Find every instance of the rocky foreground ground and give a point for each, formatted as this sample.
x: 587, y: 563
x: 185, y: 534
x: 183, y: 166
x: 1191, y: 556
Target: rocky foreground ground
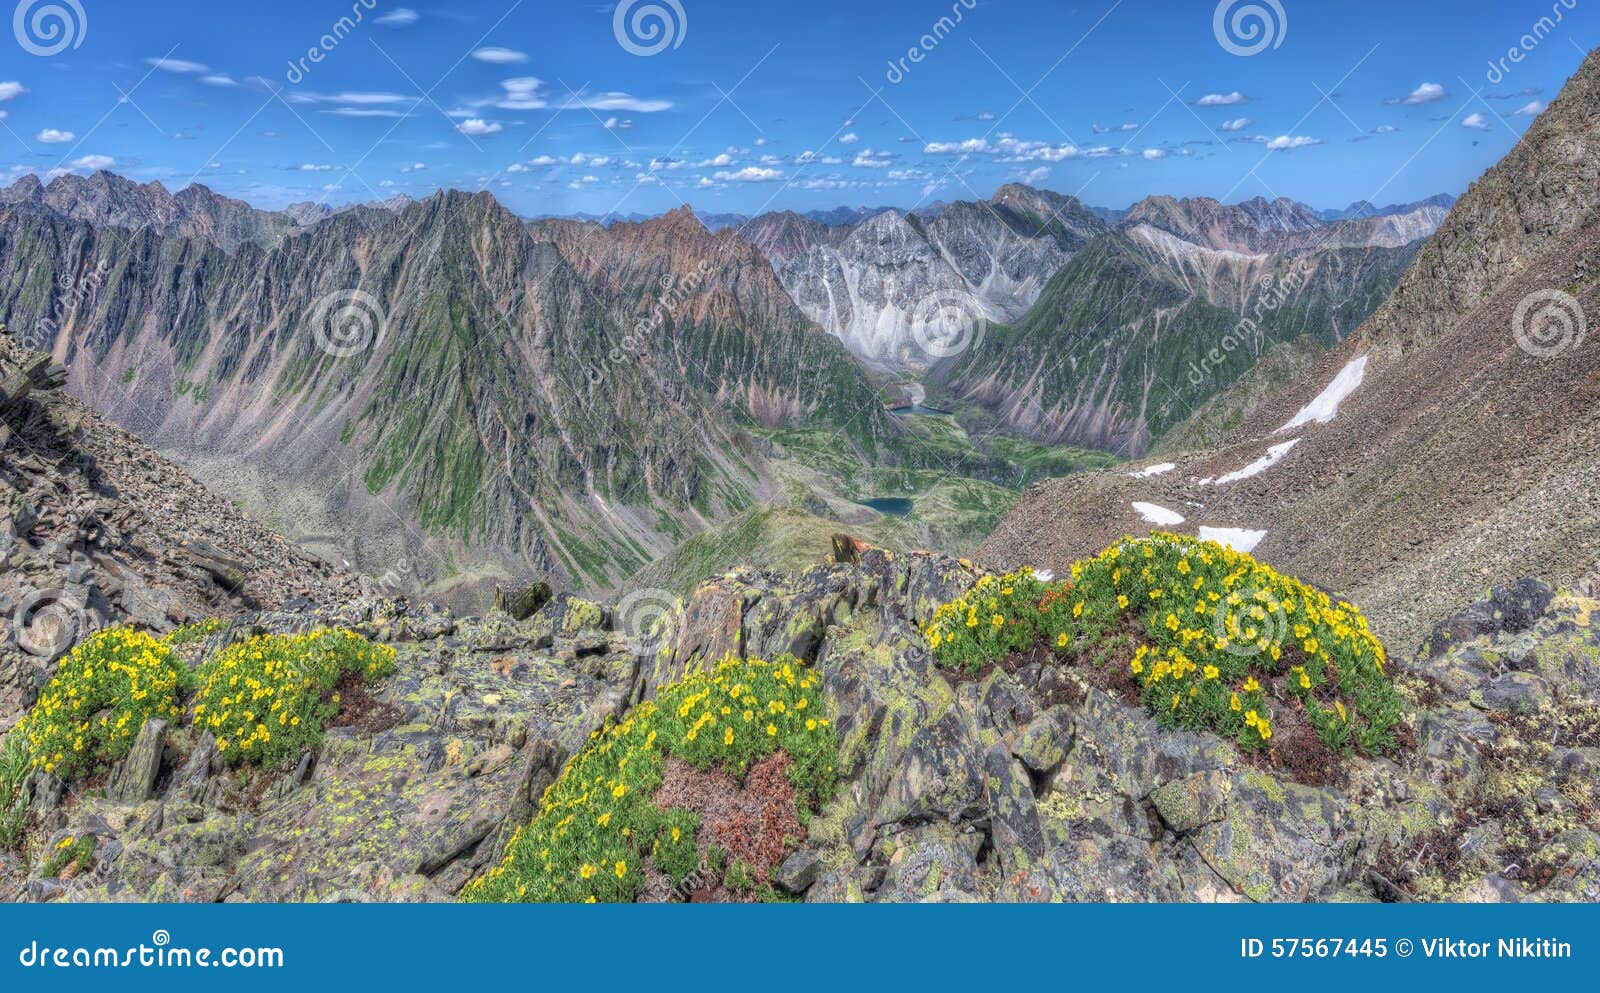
x: 1024, y: 783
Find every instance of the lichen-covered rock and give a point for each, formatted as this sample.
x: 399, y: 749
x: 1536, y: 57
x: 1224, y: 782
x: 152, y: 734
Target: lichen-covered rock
x: 134, y: 778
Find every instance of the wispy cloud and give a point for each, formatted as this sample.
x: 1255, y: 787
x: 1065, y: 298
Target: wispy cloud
x: 11, y: 90
x: 500, y: 56
x: 400, y: 17
x: 1532, y: 108
x: 1237, y: 124
x: 1233, y: 99
x: 179, y: 66
x: 51, y: 136
x: 1426, y: 93
x: 1285, y: 142
x: 751, y: 174
x: 1476, y: 122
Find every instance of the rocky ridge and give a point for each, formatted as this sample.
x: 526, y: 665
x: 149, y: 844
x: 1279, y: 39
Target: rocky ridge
x: 1026, y: 783
x: 95, y: 529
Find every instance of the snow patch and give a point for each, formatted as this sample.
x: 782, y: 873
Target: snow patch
x: 1326, y: 406
x: 1044, y: 575
x: 1265, y: 462
x: 1154, y: 470
x: 1237, y: 539
x: 1157, y: 514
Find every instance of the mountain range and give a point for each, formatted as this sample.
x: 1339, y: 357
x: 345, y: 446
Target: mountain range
x: 599, y: 392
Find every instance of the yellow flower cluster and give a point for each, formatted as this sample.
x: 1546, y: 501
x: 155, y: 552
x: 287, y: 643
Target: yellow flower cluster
x: 266, y: 699
x: 996, y: 617
x: 1211, y: 626
x: 598, y: 828
x: 102, y: 693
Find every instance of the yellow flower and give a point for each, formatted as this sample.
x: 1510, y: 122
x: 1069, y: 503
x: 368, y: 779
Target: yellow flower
x: 1061, y: 640
x: 1212, y: 672
x: 622, y: 869
x: 772, y: 730
x: 727, y: 736
x: 588, y: 871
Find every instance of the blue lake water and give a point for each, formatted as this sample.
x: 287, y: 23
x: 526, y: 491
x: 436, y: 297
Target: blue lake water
x: 892, y: 506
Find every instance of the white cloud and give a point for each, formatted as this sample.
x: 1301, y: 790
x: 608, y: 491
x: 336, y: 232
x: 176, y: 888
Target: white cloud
x: 850, y: 139
x: 50, y: 136
x: 751, y: 174
x: 477, y: 127
x: 500, y: 56
x: 617, y: 124
x: 218, y: 79
x: 94, y: 162
x: 1154, y: 154
x: 1013, y: 149
x: 1476, y: 122
x: 400, y: 17
x: 868, y: 159
x: 11, y: 90
x: 1237, y: 124
x: 1288, y: 143
x: 363, y: 112
x: 1116, y: 127
x: 414, y: 167
x: 1426, y: 93
x: 1222, y: 99
x: 363, y: 98
x: 522, y: 93
x: 1531, y: 109
x: 614, y: 100
x: 1385, y: 129
x: 315, y: 167
x: 180, y: 66
x: 1037, y: 176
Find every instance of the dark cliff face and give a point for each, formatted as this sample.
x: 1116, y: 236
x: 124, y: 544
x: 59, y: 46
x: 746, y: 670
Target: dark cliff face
x: 445, y: 383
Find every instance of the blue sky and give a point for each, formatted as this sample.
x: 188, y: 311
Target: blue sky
x: 758, y: 106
